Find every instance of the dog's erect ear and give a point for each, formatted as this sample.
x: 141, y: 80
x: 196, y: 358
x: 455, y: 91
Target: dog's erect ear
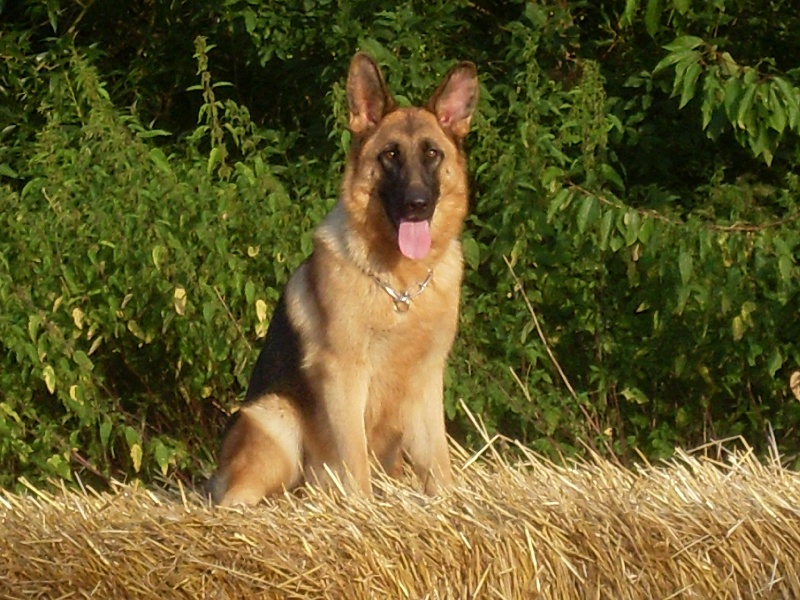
x: 455, y: 100
x: 368, y: 98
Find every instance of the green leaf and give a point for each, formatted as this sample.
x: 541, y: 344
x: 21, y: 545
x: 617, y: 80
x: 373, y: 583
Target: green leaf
x: 214, y: 158
x: 160, y: 160
x: 636, y: 395
x: 631, y: 8
x: 685, y: 265
x: 559, y: 201
x: 684, y: 292
x: 790, y: 96
x: 516, y: 251
x: 209, y: 310
x: 105, y: 432
x: 682, y: 6
x: 646, y: 229
x: 610, y: 175
x: 249, y: 20
x: 83, y: 361
x: 34, y: 321
x: 738, y: 327
x: 552, y: 417
x: 163, y: 456
x: 526, y: 330
x: 782, y: 248
x: 684, y: 42
x: 774, y: 362
x: 158, y: 253
x: 344, y: 139
x: 52, y: 16
x: 152, y: 133
x: 761, y: 142
x: 652, y: 16
x: 10, y: 412
x: 7, y: 171
x: 60, y: 466
x: 673, y: 58
x: 249, y: 292
x: 712, y: 96
x: 732, y: 89
x: 588, y: 213
x: 777, y: 117
x: 551, y: 176
x: 472, y: 253
x: 785, y: 268
x: 744, y: 119
x: 631, y: 222
x: 131, y: 435
x: 606, y: 223
x: 689, y: 83
x: 615, y: 243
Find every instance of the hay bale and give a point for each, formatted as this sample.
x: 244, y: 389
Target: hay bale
x: 694, y: 528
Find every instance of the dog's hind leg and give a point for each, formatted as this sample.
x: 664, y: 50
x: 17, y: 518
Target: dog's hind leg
x: 262, y: 453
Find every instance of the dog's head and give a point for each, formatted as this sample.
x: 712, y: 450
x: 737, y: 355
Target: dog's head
x: 406, y: 174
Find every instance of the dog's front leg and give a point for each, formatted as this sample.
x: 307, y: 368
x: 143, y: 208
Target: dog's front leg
x: 425, y: 437
x: 344, y: 394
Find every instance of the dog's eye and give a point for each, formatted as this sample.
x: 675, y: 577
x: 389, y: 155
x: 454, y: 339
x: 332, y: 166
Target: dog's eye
x: 389, y: 158
x: 432, y: 153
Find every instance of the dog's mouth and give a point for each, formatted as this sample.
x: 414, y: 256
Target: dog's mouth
x: 409, y: 208
x: 414, y: 238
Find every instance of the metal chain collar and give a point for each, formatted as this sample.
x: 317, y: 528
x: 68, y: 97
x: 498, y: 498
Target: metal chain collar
x: 402, y: 301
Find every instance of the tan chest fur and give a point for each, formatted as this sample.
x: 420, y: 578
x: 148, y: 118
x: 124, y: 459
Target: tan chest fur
x: 393, y: 354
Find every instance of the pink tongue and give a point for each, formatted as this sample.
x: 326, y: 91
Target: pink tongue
x: 414, y: 238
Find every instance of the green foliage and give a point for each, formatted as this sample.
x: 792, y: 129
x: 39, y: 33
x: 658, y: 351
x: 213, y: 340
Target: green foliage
x: 632, y: 277
x: 759, y: 107
x: 129, y: 280
x: 671, y: 322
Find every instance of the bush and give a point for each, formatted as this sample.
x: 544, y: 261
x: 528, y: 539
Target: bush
x: 135, y: 285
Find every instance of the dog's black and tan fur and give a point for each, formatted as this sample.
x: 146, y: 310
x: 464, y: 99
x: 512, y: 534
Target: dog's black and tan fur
x: 347, y: 371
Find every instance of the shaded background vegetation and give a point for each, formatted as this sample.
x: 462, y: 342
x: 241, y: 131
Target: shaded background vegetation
x: 163, y: 164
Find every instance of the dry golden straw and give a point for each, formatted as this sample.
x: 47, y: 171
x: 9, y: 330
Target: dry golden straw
x: 697, y: 527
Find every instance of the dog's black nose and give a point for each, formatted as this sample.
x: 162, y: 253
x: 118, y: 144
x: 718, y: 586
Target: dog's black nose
x: 417, y: 201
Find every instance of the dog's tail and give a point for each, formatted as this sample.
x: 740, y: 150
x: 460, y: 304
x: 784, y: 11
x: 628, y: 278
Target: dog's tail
x: 262, y: 453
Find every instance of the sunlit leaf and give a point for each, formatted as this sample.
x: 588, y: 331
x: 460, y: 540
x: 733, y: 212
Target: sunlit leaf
x: 136, y: 457
x: 179, y: 300
x: 739, y: 327
x: 635, y: 395
x: 49, y: 376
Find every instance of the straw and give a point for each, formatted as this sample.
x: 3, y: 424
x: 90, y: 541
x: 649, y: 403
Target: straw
x: 699, y: 526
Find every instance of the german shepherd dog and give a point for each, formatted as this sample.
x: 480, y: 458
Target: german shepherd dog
x: 353, y: 362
